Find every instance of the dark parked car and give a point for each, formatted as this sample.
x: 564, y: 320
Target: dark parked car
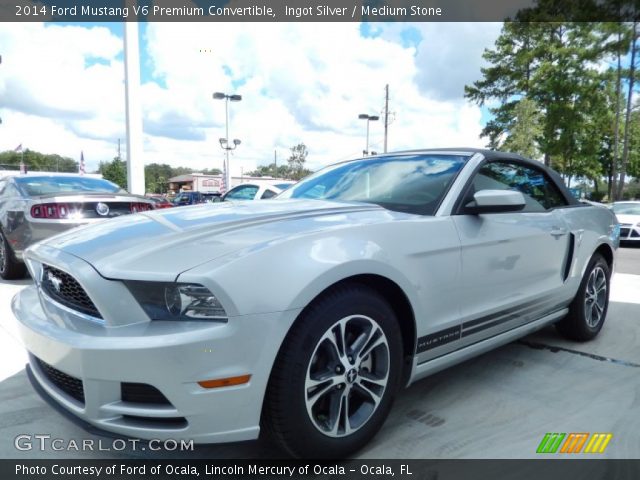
x: 212, y: 197
x: 160, y: 201
x: 189, y: 198
x: 36, y: 206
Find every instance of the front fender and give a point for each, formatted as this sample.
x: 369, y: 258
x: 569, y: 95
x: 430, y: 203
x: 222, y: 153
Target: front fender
x: 289, y: 275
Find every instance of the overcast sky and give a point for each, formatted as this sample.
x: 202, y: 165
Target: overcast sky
x: 62, y: 88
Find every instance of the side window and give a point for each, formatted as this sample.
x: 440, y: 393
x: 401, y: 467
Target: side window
x: 268, y: 194
x: 539, y: 191
x: 246, y: 192
x: 181, y: 199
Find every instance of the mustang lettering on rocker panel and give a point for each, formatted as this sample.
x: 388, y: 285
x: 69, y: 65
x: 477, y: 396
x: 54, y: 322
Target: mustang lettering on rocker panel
x: 528, y: 311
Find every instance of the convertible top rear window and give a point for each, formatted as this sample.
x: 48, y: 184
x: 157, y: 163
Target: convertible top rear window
x: 46, y: 185
x: 407, y: 183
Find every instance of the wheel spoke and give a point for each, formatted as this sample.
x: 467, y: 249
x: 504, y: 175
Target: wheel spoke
x: 369, y: 392
x: 335, y: 413
x: 588, y: 311
x: 339, y: 338
x: 377, y: 339
x: 598, y: 308
x: 316, y: 389
x: 346, y: 415
x: 359, y: 343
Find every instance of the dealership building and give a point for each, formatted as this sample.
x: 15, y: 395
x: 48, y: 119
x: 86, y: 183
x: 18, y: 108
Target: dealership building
x: 199, y: 182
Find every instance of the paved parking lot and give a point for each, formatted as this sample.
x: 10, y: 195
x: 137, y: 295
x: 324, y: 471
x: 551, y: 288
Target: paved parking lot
x: 498, y: 405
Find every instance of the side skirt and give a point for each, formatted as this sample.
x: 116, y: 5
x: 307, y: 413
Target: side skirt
x: 440, y: 363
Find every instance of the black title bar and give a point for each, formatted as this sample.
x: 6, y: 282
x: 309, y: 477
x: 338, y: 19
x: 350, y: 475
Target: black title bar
x: 317, y: 10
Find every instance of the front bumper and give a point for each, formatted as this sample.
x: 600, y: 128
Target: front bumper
x: 169, y: 356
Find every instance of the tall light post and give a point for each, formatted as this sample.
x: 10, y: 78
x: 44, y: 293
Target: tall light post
x: 224, y: 142
x: 368, y: 118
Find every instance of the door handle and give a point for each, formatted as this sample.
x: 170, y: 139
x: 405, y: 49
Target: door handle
x: 558, y: 232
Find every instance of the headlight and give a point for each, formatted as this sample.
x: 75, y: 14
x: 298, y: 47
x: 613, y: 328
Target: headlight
x: 177, y: 301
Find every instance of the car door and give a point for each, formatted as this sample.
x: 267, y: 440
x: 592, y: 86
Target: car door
x: 513, y: 264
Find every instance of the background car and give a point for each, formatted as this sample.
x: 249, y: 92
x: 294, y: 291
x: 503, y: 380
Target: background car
x: 628, y: 214
x: 36, y: 206
x: 389, y: 268
x: 189, y: 198
x: 159, y: 201
x: 212, y: 197
x: 253, y: 191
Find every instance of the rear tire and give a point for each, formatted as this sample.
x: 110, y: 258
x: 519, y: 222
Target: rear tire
x: 588, y: 310
x: 336, y: 375
x: 10, y: 267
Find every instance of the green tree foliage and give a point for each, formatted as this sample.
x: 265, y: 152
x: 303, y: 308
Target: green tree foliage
x: 270, y: 171
x: 297, y: 161
x: 156, y: 176
x: 37, y: 162
x: 114, y: 171
x: 294, y: 169
x: 524, y: 129
x: 558, y: 66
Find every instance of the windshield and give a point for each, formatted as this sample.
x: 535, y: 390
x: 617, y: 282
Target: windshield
x: 407, y: 183
x: 34, y: 186
x: 627, y: 208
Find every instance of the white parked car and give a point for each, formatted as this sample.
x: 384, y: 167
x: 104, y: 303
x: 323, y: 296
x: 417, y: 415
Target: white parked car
x: 172, y: 324
x: 255, y: 191
x: 628, y: 214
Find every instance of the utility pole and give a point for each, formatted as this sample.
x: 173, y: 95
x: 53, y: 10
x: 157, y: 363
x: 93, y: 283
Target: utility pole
x: 386, y: 115
x: 275, y: 163
x: 133, y: 109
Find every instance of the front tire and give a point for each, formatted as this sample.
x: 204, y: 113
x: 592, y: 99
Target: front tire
x: 10, y: 267
x: 588, y: 309
x: 336, y: 375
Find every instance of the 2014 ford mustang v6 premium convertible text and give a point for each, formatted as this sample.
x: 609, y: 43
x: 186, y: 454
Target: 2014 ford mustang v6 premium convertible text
x: 304, y: 315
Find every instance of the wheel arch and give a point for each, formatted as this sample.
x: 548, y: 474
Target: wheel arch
x: 398, y: 301
x: 606, y: 251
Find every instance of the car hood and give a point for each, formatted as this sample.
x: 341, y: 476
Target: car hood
x: 165, y: 243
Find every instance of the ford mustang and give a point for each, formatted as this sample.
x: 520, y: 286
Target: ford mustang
x: 304, y: 315
x: 39, y: 205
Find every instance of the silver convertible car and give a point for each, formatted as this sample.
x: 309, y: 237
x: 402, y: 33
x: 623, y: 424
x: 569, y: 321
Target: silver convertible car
x: 304, y: 315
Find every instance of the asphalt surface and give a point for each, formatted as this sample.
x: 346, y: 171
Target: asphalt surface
x: 498, y: 405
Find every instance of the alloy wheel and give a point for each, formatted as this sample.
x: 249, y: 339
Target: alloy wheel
x: 347, y: 376
x: 595, y: 298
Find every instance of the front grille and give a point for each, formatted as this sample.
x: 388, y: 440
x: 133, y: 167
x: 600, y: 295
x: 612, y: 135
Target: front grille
x: 70, y: 385
x: 142, y: 393
x: 65, y: 289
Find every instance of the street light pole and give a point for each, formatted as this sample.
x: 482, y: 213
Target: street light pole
x: 227, y: 169
x: 224, y: 142
x: 368, y: 118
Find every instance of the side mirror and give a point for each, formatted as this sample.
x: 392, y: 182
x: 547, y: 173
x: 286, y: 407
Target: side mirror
x: 495, y: 201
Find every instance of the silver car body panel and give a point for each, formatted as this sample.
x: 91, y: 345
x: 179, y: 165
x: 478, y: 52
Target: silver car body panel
x: 473, y: 282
